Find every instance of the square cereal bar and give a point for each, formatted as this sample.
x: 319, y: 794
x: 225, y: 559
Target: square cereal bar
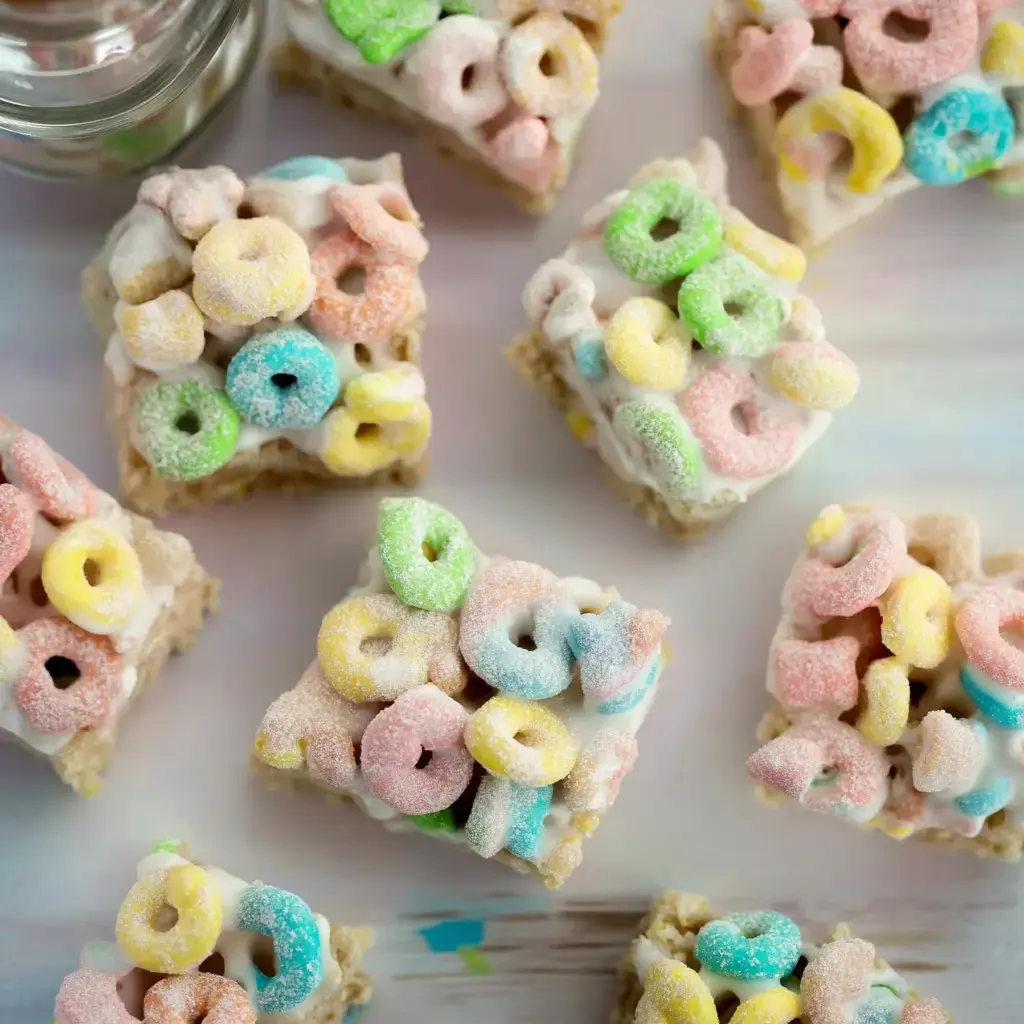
x: 93, y: 601
x: 671, y: 334
x: 264, y: 335
x: 500, y: 86
x: 692, y: 964
x: 483, y: 700
x: 195, y: 943
x: 898, y: 691
x: 851, y: 103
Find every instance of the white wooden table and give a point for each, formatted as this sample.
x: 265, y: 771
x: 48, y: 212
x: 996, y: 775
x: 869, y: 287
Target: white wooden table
x: 928, y: 299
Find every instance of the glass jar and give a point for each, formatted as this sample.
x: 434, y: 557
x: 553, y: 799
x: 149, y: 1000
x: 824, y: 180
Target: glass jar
x: 105, y: 87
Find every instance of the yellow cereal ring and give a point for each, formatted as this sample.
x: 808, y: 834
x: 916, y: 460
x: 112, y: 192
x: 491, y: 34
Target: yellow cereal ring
x: 887, y: 708
x: 391, y: 393
x: 248, y: 270
x: 1004, y: 51
x: 829, y: 522
x: 289, y: 760
x: 675, y: 994
x: 166, y: 331
x: 917, y: 619
x: 191, y: 892
x: 876, y: 141
x: 521, y: 740
x: 93, y: 576
x: 772, y: 254
x: 648, y: 345
x: 358, y: 442
x: 11, y: 653
x: 776, y: 1006
x: 815, y: 376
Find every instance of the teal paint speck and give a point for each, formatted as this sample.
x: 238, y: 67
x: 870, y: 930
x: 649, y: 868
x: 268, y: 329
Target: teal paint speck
x: 451, y: 936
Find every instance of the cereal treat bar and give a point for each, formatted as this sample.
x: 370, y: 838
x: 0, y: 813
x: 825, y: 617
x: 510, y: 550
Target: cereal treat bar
x: 264, y: 335
x: 898, y: 681
x: 854, y: 102
x: 481, y: 700
x: 93, y: 601
x: 673, y: 338
x: 691, y: 966
x: 501, y: 86
x: 197, y: 944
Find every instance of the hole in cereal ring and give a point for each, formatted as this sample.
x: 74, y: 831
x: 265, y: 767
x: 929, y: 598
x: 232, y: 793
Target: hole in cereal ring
x: 367, y: 431
x: 918, y: 688
x: 429, y: 553
x: 352, y: 281
x: 1013, y: 634
x: 253, y: 252
x: 263, y: 955
x: 550, y: 64
x: 213, y: 964
x: 734, y: 309
x: 526, y: 643
x: 166, y: 919
x: 525, y: 738
x: 38, y: 593
x: 426, y: 756
x: 726, y: 1005
x: 468, y: 74
x: 376, y: 646
x: 92, y: 571
x: 283, y: 380
x: 188, y: 422
x: 63, y: 671
x: 843, y: 163
x: 740, y: 419
x: 904, y: 28
x: 363, y: 355
x: 826, y: 776
x: 665, y: 228
x: 132, y: 988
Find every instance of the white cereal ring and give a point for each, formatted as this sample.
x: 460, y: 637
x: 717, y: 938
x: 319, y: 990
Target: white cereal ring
x: 166, y: 331
x: 194, y: 200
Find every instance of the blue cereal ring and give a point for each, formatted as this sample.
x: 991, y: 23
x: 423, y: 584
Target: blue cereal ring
x: 932, y: 152
x: 878, y: 1006
x: 285, y: 380
x: 1007, y: 716
x: 985, y: 800
x: 628, y: 700
x: 528, y: 807
x: 752, y: 946
x: 297, y: 947
x: 300, y: 167
x: 508, y: 816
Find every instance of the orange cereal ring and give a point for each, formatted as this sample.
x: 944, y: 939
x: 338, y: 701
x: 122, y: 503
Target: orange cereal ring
x: 17, y: 523
x: 364, y: 318
x: 184, y: 998
x: 60, y: 492
x: 51, y: 707
x: 383, y: 217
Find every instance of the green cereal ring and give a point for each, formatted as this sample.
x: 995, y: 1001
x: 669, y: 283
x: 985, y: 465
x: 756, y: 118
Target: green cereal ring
x: 382, y: 28
x: 731, y: 309
x: 185, y: 429
x: 697, y: 239
x: 427, y: 554
x: 438, y: 821
x: 669, y: 448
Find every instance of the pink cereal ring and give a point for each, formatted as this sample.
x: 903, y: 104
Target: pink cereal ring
x: 822, y: 8
x: 772, y: 432
x: 364, y: 318
x: 768, y: 61
x: 383, y: 217
x: 593, y: 784
x: 840, y: 973
x: 888, y: 64
x: 819, y: 676
x: 524, y: 152
x: 980, y: 620
x: 17, y: 522
x: 455, y: 72
x: 88, y: 700
x: 91, y: 997
x: 801, y: 763
x: 421, y: 719
x: 60, y: 491
x: 185, y: 998
x: 923, y: 1011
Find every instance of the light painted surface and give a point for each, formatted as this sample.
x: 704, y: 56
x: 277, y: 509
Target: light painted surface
x: 928, y: 299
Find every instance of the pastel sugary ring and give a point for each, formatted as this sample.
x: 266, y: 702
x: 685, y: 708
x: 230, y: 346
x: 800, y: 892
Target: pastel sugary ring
x: 383, y: 217
x: 674, y: 994
x: 60, y: 492
x: 507, y: 816
x: 666, y: 445
x: 815, y: 675
x: 750, y: 946
x: 17, y: 525
x: 839, y: 973
x: 184, y: 998
x: 91, y: 997
x: 981, y: 619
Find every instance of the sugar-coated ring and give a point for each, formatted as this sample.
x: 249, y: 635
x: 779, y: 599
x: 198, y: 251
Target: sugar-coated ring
x: 521, y: 740
x: 980, y: 691
x: 194, y: 200
x: 772, y: 254
x: 524, y: 150
x: 635, y: 694
x: 569, y: 89
x: 768, y: 61
x: 593, y: 784
x: 1003, y: 53
x: 17, y: 526
x: 768, y: 439
x: 248, y: 270
x: 422, y: 647
x: 917, y: 619
x: 630, y: 245
x: 920, y: 1010
x: 394, y: 393
x: 730, y: 282
x: 507, y: 816
x: 189, y: 890
x: 426, y: 553
x: 381, y: 30
x: 60, y: 492
x: 775, y: 1006
x: 590, y: 357
x: 951, y: 752
x: 648, y: 345
x: 819, y: 675
x: 666, y: 444
x: 816, y: 376
x: 839, y: 973
x: 422, y: 719
x: 886, y: 64
x: 185, y: 429
x: 12, y: 654
x: 886, y: 702
x: 297, y: 946
x: 438, y: 70
x: 184, y: 998
x: 91, y: 547
x: 993, y: 796
x: 674, y: 994
x: 350, y: 449
x: 559, y: 298
x: 510, y: 601
x: 370, y: 316
x: 88, y: 700
x: 383, y: 217
x: 825, y: 765
x: 870, y: 129
x: 284, y: 379
x: 91, y: 997
x: 298, y: 168
x: 981, y: 618
x: 937, y: 151
x: 750, y: 946
x: 166, y: 331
